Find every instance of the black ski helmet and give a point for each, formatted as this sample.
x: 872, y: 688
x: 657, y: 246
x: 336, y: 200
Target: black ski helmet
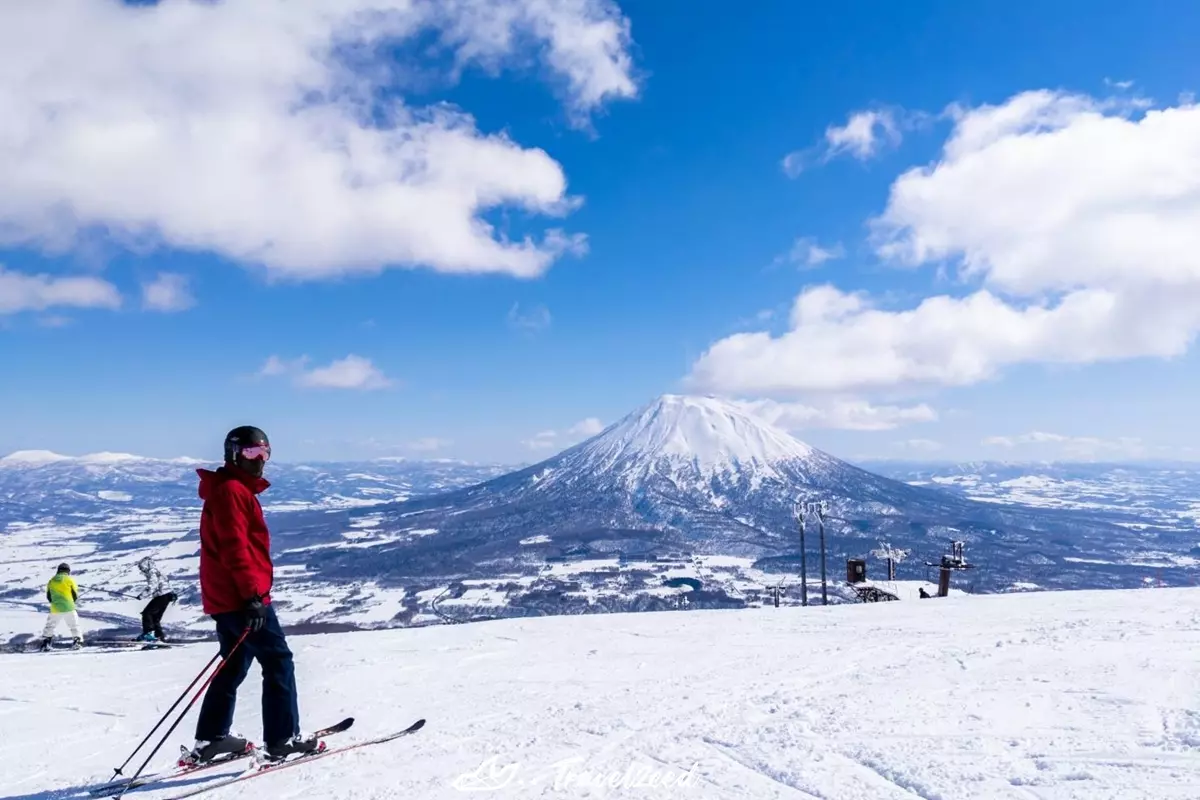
x: 64, y: 567
x: 245, y: 436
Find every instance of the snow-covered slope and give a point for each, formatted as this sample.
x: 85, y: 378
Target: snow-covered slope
x: 1053, y: 696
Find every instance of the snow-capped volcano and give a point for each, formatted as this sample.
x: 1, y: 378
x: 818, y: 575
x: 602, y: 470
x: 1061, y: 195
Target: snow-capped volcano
x: 687, y: 475
x: 708, y: 436
x: 702, y: 450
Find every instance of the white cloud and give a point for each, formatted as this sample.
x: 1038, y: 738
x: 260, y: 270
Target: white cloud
x: 23, y: 292
x: 277, y: 133
x: 586, y: 427
x: 275, y: 366
x: 919, y: 445
x: 806, y: 252
x: 1081, y: 220
x: 542, y: 441
x: 536, y: 319
x: 351, y: 372
x: 167, y: 292
x: 558, y: 440
x: 864, y: 136
x: 840, y: 413
x: 429, y: 444
x: 794, y: 163
x: 1072, y: 446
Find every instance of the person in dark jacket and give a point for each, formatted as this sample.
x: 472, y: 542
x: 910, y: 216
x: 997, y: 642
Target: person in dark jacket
x: 160, y: 598
x: 236, y: 576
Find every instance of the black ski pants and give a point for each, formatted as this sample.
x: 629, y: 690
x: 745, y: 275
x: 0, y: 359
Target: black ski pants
x: 268, y: 646
x: 152, y: 615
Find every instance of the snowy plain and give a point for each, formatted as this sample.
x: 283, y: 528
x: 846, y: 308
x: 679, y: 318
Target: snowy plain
x: 1081, y: 695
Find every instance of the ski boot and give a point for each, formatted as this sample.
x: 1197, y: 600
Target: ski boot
x: 77, y: 644
x: 45, y: 645
x: 228, y: 746
x: 298, y: 745
x: 146, y: 637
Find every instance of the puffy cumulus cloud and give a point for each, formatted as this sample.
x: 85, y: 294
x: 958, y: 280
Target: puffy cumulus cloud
x: 865, y: 135
x: 586, y: 427
x: 843, y: 413
x: 351, y: 372
x: 167, y: 292
x: 20, y: 291
x: 1079, y: 220
x: 276, y: 133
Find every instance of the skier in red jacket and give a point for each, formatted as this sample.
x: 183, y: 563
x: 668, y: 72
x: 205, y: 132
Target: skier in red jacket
x: 236, y: 577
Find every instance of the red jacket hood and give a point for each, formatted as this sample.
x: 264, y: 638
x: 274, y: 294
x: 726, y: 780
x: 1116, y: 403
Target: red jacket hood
x: 210, y: 478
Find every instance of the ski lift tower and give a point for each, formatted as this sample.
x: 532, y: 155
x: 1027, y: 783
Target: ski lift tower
x: 952, y: 561
x: 798, y: 510
x: 807, y: 509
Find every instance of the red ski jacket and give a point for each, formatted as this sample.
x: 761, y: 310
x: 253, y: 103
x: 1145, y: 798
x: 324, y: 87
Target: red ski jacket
x: 235, y: 545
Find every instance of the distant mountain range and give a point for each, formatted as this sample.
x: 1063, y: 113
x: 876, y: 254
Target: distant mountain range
x: 39, y: 483
x: 688, y: 501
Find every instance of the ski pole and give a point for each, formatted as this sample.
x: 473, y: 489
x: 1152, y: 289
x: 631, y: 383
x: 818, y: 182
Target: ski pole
x: 183, y: 714
x: 109, y: 591
x: 163, y: 718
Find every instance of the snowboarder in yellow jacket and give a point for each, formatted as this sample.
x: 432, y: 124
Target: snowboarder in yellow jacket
x: 62, y: 593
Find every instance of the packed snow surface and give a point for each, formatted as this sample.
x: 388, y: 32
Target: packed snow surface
x: 1050, y: 696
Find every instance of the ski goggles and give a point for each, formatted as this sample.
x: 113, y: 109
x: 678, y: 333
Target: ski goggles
x: 256, y: 451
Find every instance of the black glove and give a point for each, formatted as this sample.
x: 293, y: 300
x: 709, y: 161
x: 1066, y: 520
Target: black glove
x: 255, y: 612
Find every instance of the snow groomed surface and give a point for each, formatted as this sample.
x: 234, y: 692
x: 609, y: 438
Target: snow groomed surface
x: 1054, y: 696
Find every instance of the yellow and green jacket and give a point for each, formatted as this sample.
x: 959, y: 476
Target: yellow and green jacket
x: 62, y: 593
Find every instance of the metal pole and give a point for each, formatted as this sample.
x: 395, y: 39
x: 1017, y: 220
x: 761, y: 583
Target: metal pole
x: 803, y: 560
x: 821, y: 518
x: 117, y: 771
x: 187, y: 708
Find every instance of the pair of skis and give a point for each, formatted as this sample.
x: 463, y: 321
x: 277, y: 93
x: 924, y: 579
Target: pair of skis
x: 254, y: 770
x: 95, y: 646
x: 187, y: 768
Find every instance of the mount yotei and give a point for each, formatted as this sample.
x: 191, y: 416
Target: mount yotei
x: 697, y: 492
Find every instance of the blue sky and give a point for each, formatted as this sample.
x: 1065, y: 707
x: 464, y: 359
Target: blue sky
x: 317, y: 219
